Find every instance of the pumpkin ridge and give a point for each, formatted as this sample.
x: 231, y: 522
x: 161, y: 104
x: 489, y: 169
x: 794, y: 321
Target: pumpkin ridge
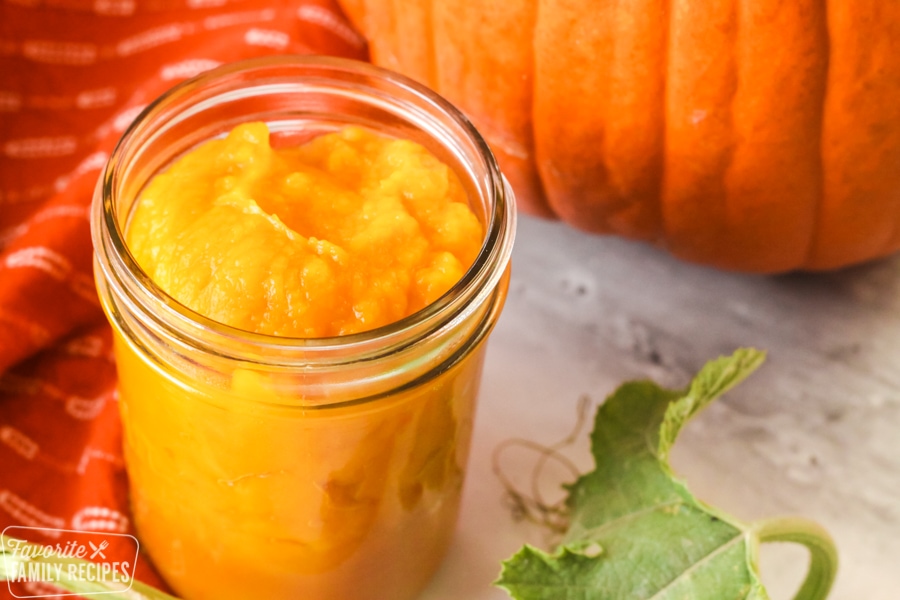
x: 773, y: 183
x: 861, y: 139
x: 640, y: 54
x: 818, y: 208
x: 659, y: 235
x: 703, y: 83
x: 494, y: 89
x: 597, y: 151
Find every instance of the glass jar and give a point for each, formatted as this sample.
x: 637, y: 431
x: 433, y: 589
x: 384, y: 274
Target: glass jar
x: 272, y: 467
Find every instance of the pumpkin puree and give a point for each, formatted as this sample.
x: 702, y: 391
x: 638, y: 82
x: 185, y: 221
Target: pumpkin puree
x: 346, y: 233
x: 241, y: 486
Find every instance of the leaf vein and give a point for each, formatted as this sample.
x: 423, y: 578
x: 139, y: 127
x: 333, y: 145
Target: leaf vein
x: 697, y: 565
x: 594, y: 531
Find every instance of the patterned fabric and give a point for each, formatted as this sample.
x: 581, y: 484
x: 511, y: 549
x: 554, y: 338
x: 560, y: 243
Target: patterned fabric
x: 73, y: 74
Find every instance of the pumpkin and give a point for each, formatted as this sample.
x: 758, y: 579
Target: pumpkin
x: 756, y: 135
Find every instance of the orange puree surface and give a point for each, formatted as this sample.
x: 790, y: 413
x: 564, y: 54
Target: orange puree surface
x: 349, y: 232
x: 250, y: 481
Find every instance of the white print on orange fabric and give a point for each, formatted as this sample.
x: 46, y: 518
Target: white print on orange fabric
x: 37, y: 334
x: 100, y: 518
x: 119, y: 122
x: 12, y: 233
x: 88, y: 346
x: 325, y: 18
x: 47, y: 214
x: 187, y: 68
x: 205, y: 3
x: 63, y: 210
x: 42, y: 258
x: 90, y: 454
x: 60, y: 53
x: 238, y: 18
x: 41, y: 147
x: 93, y: 162
x: 20, y: 443
x: 56, y: 266
x: 86, y: 100
x: 267, y: 38
x: 32, y: 194
x: 98, y: 98
x: 153, y: 38
x: 114, y: 8
x: 27, y: 513
x: 124, y: 118
x: 85, y: 409
x: 10, y: 101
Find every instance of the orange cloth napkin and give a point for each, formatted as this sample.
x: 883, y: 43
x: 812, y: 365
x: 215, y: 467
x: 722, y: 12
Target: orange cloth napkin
x: 73, y: 74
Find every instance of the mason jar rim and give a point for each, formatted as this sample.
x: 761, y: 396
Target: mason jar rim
x: 143, y: 296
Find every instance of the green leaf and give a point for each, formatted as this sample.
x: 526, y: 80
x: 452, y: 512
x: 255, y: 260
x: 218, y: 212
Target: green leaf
x: 716, y: 378
x: 636, y: 532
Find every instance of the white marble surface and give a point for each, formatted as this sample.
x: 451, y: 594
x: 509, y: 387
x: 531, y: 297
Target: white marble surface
x: 815, y: 432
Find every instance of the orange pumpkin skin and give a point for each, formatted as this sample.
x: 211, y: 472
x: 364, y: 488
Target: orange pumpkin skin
x: 753, y: 135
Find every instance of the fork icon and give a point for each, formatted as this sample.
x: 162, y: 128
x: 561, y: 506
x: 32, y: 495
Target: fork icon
x: 98, y: 549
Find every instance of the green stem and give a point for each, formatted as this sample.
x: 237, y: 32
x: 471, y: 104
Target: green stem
x: 823, y: 555
x: 9, y: 564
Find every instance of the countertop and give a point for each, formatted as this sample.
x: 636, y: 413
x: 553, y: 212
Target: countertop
x: 815, y: 432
